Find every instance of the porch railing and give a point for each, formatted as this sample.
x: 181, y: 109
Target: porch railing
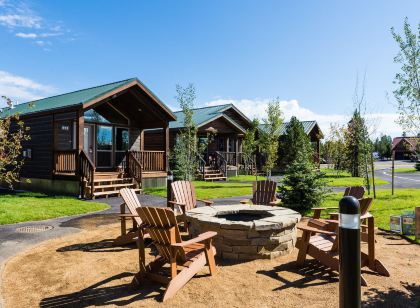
x: 134, y: 167
x: 232, y: 158
x: 150, y: 160
x: 86, y: 173
x: 221, y: 163
x: 65, y: 162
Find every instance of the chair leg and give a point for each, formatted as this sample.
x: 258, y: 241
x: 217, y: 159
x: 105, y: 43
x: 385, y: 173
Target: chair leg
x: 184, y: 276
x: 303, y: 248
x: 210, y: 252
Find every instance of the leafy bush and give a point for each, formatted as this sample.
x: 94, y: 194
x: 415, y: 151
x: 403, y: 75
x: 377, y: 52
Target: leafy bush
x: 417, y: 166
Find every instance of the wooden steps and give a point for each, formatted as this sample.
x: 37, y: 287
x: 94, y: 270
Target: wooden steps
x: 213, y: 174
x: 107, y: 184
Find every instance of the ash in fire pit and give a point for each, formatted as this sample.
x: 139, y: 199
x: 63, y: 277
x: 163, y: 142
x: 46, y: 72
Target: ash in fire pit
x: 247, y: 232
x: 245, y: 216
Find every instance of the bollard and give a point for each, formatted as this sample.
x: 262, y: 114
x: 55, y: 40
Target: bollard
x: 349, y: 250
x: 169, y: 180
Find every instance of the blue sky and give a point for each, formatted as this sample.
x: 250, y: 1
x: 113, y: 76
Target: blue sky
x: 307, y: 53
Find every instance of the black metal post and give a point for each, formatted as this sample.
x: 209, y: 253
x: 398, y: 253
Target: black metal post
x: 169, y: 180
x: 349, y: 250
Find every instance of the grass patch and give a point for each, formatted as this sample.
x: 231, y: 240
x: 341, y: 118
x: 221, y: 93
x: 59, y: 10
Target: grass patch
x: 29, y: 206
x: 406, y: 170
x: 386, y: 205
x: 343, y: 179
x: 211, y: 190
x: 246, y: 178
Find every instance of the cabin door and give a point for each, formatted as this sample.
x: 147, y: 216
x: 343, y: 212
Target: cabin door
x: 88, y: 144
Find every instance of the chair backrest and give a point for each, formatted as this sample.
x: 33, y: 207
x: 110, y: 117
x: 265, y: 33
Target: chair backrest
x: 131, y: 201
x: 184, y: 192
x: 162, y: 226
x: 365, y: 205
x: 355, y: 191
x: 264, y: 192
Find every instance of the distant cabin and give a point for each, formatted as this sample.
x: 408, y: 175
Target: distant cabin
x: 405, y: 147
x: 90, y: 142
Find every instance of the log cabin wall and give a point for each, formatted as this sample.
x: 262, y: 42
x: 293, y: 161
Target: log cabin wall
x: 40, y: 145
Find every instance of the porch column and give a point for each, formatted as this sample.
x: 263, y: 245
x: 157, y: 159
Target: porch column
x: 166, y: 146
x: 142, y: 140
x: 80, y: 124
x: 237, y: 151
x: 227, y: 144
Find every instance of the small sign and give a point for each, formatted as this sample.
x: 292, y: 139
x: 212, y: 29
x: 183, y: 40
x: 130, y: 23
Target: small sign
x: 408, y: 223
x: 396, y: 224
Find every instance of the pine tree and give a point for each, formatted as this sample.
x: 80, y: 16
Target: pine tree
x: 296, y: 144
x: 302, y: 187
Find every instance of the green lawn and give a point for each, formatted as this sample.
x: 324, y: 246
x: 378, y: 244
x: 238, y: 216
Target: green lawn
x: 245, y: 178
x: 344, y: 179
x: 211, y: 190
x: 385, y: 204
x: 406, y: 170
x: 30, y: 206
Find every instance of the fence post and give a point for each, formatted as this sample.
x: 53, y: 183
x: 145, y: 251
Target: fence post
x: 169, y: 180
x: 349, y: 253
x: 418, y: 222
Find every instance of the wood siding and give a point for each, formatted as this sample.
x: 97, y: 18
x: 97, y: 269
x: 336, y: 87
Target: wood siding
x: 41, y: 144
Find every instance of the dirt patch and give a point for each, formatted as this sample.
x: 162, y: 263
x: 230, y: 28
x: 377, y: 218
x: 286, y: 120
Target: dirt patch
x: 85, y: 270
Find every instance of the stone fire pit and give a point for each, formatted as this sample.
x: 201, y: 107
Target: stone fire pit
x: 247, y: 232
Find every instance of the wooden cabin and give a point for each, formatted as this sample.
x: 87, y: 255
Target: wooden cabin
x: 91, y: 142
x: 405, y: 147
x: 227, y: 126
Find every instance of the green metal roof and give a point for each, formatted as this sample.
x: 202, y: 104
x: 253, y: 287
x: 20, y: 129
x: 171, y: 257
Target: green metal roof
x: 307, y: 127
x: 204, y: 115
x: 72, y: 99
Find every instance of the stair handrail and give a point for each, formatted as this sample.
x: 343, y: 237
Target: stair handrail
x: 134, y: 167
x: 221, y: 163
x: 201, y: 165
x: 86, y: 171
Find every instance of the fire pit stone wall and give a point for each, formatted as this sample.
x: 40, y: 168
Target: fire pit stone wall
x: 247, y: 232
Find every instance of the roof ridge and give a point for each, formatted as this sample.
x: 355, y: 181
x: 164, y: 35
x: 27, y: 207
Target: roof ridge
x: 204, y: 107
x: 102, y: 85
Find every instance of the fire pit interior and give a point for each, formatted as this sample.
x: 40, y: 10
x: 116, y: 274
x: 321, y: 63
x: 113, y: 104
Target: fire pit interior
x: 247, y: 232
x: 244, y: 215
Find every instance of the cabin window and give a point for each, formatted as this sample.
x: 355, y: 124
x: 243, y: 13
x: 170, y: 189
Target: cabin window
x: 64, y: 135
x: 104, y: 145
x: 121, y: 145
x: 27, y: 153
x: 93, y: 116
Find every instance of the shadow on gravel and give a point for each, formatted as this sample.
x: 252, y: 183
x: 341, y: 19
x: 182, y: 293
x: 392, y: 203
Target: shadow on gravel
x: 394, y: 297
x: 90, y: 222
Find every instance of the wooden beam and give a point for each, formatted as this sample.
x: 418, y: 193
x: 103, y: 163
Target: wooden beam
x: 80, y: 124
x: 166, y: 145
x: 142, y: 140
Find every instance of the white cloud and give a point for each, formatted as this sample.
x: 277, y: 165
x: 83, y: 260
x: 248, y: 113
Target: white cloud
x: 20, y: 21
x: 22, y: 89
x: 256, y: 108
x: 17, y: 16
x: 26, y: 35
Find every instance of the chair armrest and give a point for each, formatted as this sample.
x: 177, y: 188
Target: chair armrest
x: 245, y: 201
x: 315, y: 230
x: 200, y: 238
x: 128, y: 215
x: 181, y: 206
x: 207, y: 202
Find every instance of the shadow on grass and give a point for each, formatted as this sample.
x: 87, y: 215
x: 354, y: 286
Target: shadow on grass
x: 410, y: 297
x: 314, y: 274
x: 100, y: 295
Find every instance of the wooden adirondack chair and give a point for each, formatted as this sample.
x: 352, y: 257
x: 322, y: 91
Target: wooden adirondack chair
x: 132, y: 203
x: 320, y: 241
x: 263, y: 193
x: 192, y: 255
x: 185, y: 198
x: 354, y: 191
